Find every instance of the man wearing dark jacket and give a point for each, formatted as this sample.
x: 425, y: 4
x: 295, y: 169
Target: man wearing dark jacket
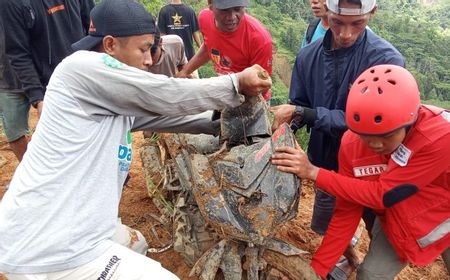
x: 322, y: 76
x: 14, y: 105
x: 38, y: 35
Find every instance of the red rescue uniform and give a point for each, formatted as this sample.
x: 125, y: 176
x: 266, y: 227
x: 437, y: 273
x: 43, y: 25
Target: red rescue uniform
x: 417, y: 227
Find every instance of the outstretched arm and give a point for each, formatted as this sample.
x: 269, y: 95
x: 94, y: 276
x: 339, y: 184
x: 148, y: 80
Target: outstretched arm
x: 194, y: 124
x: 200, y: 58
x: 393, y: 186
x: 99, y: 83
x: 328, y: 121
x: 197, y: 40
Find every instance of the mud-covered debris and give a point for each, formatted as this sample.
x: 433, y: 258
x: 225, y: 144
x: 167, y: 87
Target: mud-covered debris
x: 283, y: 247
x: 231, y: 265
x: 206, y: 267
x: 244, y: 124
x: 251, y: 257
x: 270, y: 196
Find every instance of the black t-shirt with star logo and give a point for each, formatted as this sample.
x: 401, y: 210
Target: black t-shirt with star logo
x: 180, y: 20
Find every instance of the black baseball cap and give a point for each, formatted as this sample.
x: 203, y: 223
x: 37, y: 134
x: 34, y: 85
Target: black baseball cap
x: 226, y: 4
x: 118, y: 18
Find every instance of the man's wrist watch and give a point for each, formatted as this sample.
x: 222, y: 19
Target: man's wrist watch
x: 298, y: 115
x: 297, y: 118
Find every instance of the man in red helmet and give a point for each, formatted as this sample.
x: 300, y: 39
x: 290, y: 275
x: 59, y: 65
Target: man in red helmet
x: 393, y: 160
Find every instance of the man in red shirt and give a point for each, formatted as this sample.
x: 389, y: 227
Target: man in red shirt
x: 393, y: 171
x: 233, y: 40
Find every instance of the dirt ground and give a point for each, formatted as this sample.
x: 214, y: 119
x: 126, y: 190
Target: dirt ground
x: 137, y: 210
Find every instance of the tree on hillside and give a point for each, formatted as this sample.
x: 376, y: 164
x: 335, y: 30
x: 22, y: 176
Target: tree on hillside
x: 423, y: 38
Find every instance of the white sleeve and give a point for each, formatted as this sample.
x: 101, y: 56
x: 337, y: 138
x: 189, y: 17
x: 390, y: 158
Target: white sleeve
x: 104, y: 86
x: 195, y: 124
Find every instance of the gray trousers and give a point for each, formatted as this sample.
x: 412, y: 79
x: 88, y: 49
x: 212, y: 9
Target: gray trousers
x: 322, y: 212
x: 381, y: 261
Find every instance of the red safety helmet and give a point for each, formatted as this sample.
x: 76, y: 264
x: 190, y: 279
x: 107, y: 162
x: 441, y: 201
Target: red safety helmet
x: 382, y: 99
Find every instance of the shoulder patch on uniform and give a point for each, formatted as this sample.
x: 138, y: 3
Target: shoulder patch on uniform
x: 111, y: 61
x: 401, y: 155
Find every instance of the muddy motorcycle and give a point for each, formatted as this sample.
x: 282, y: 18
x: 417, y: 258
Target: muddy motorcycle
x: 225, y: 199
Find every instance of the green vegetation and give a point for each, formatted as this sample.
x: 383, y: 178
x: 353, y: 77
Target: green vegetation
x: 419, y: 29
x: 439, y: 103
x: 422, y: 34
x: 279, y: 92
x: 153, y: 6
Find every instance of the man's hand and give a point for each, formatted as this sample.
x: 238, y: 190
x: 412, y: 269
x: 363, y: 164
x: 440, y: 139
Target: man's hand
x: 282, y: 114
x: 295, y: 161
x: 183, y: 74
x: 351, y: 256
x: 38, y: 105
x: 254, y: 81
